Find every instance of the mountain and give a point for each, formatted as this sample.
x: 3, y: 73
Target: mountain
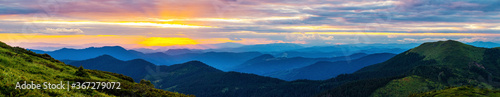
x: 266, y: 63
x: 37, y: 51
x: 484, y: 44
x: 147, y: 50
x: 430, y: 66
x: 200, y: 79
x: 423, y: 69
x: 353, y: 48
x: 227, y: 45
x: 180, y: 51
x: 20, y: 65
x: 220, y: 60
x: 137, y: 68
x: 324, y: 69
x: 91, y: 52
x: 195, y: 77
x: 274, y: 47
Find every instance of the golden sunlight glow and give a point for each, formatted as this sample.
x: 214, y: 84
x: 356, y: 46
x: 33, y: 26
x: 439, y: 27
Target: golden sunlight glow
x: 167, y: 41
x: 152, y: 24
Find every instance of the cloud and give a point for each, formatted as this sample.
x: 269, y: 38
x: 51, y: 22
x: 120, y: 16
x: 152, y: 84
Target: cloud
x: 264, y: 21
x: 421, y: 40
x: 235, y: 39
x: 408, y: 40
x: 462, y: 5
x: 61, y: 31
x: 473, y: 39
x: 302, y: 37
x: 433, y: 39
x: 5, y: 10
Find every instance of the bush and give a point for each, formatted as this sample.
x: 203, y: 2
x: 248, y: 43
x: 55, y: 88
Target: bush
x: 81, y: 72
x: 147, y: 82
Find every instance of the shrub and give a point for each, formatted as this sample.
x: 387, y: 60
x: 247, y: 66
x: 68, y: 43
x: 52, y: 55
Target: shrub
x: 147, y: 82
x: 81, y: 72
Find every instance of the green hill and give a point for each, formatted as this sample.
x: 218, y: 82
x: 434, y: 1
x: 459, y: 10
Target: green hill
x: 430, y: 66
x: 19, y: 65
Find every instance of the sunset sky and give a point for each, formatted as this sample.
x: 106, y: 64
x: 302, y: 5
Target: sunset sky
x: 53, y: 24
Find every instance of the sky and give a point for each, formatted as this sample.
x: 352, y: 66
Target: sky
x: 200, y: 24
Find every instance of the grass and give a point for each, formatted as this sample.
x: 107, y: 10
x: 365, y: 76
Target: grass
x: 406, y: 86
x: 19, y: 65
x: 463, y: 91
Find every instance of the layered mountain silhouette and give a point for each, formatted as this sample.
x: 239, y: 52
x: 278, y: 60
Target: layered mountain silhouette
x: 180, y: 51
x: 200, y: 79
x: 267, y: 63
x: 219, y: 60
x: 484, y: 44
x: 92, y: 52
x: 274, y: 47
x: 136, y: 68
x: 423, y: 69
x: 325, y: 69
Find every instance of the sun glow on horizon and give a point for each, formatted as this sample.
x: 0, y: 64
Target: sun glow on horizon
x: 168, y: 41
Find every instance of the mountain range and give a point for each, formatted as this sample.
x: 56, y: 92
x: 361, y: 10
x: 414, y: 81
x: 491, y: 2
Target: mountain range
x: 484, y: 44
x: 195, y: 77
x: 267, y: 63
x: 200, y: 79
x: 430, y: 68
x: 323, y: 70
x: 220, y: 60
x: 137, y: 68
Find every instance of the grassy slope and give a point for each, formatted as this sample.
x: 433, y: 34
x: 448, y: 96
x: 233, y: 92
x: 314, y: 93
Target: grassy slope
x: 464, y: 91
x: 19, y: 65
x: 406, y: 86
